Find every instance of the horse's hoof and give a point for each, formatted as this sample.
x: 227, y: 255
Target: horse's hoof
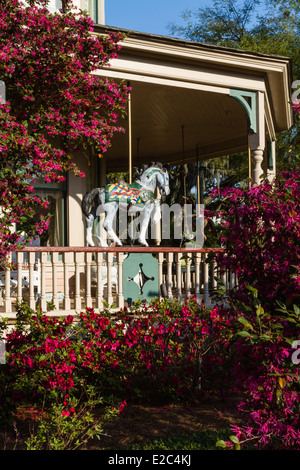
x: 142, y: 244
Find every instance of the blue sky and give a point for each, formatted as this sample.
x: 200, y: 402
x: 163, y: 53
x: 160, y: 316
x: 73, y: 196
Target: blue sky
x: 148, y: 16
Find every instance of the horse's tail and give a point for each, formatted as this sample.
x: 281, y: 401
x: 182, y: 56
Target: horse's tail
x: 88, y: 201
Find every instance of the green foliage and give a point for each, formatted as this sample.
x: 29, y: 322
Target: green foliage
x: 70, y: 429
x: 200, y: 440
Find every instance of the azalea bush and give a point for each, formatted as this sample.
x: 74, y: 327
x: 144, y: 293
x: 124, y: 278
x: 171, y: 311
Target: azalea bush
x: 55, y: 107
x: 265, y: 375
x: 261, y: 233
x: 157, y: 351
x: 64, y: 369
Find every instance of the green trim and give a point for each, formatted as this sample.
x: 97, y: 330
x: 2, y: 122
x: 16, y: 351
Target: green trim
x: 152, y: 173
x: 241, y: 96
x: 271, y: 156
x: 96, y: 11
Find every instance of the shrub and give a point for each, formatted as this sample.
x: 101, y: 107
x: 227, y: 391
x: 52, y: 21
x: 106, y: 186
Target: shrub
x: 62, y: 368
x: 261, y: 233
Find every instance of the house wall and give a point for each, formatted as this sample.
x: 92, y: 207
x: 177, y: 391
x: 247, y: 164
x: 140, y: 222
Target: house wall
x: 95, y: 176
x: 94, y: 7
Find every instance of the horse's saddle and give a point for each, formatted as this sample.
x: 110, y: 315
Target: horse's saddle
x: 131, y: 194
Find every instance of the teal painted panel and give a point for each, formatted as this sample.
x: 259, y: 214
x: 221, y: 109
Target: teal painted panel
x: 140, y: 277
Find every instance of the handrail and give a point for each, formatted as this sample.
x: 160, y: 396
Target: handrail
x: 122, y: 249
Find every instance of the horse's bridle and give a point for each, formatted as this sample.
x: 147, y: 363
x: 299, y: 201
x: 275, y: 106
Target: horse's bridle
x: 163, y: 172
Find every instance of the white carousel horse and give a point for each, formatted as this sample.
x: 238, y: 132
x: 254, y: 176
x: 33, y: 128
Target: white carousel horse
x: 138, y: 196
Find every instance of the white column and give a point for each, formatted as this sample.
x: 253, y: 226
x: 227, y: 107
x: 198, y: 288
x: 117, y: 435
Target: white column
x: 76, y: 191
x: 101, y: 232
x: 101, y: 12
x: 257, y: 140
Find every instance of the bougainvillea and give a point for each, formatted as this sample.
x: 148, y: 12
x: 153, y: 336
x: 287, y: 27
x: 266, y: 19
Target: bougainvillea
x: 55, y: 105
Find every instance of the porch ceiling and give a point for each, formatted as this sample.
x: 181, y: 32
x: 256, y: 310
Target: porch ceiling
x: 171, y: 124
x: 180, y: 98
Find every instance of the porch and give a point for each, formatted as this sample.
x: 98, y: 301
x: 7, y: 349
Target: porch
x: 72, y: 278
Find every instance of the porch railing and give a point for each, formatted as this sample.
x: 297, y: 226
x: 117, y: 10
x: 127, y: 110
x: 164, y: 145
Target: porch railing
x: 72, y: 278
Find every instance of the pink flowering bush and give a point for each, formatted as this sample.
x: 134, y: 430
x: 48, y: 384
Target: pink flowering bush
x: 62, y: 368
x: 296, y: 106
x: 55, y: 105
x: 265, y: 375
x: 261, y: 232
x: 156, y: 353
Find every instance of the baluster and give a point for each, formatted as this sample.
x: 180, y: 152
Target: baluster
x: 120, y: 258
x: 213, y: 275
x: 160, y: 272
x: 109, y: 273
x: 77, y: 281
x: 169, y: 275
x: 224, y: 279
x: 54, y: 260
x: 20, y: 257
x: 179, y: 276
x: 43, y: 281
x: 99, y: 260
x: 66, y: 265
x: 188, y: 276
x: 7, y: 298
x: 205, y: 279
x: 88, y: 299
x: 197, y: 277
x: 31, y: 256
x: 232, y: 280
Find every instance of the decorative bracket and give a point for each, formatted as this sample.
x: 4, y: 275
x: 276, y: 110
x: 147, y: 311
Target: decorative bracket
x: 248, y: 100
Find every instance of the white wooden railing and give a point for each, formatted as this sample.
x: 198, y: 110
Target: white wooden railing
x: 72, y: 278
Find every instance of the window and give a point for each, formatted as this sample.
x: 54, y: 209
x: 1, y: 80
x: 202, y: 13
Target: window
x: 55, y: 194
x: 54, y: 5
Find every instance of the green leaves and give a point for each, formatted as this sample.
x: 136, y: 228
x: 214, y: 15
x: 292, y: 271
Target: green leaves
x: 235, y: 443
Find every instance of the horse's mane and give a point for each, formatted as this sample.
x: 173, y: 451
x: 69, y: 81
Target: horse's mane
x: 140, y: 170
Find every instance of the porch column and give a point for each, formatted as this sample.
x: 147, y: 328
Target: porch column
x: 254, y: 105
x: 76, y: 190
x: 257, y: 140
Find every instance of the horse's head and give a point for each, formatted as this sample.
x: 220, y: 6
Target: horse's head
x: 155, y: 175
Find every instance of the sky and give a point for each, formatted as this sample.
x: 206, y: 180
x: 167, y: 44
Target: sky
x: 148, y: 16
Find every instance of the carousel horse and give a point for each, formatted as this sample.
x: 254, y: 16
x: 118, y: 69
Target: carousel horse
x: 138, y: 196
